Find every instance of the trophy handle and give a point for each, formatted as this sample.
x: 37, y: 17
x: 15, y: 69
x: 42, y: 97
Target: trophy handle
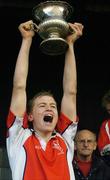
x: 34, y: 27
x: 70, y: 30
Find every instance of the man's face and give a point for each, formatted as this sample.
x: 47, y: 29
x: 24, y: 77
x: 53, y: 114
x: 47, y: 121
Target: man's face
x: 44, y: 115
x: 85, y: 144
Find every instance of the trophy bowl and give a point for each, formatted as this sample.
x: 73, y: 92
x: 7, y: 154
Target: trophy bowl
x: 52, y: 27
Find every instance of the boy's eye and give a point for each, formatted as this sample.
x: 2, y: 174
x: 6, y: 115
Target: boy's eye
x: 42, y: 105
x: 53, y: 106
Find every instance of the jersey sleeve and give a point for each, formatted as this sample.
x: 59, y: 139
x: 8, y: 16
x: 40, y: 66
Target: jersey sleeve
x: 12, y: 118
x: 63, y: 123
x: 16, y: 127
x: 67, y: 129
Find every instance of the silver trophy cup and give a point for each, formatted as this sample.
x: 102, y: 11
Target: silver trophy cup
x: 51, y: 17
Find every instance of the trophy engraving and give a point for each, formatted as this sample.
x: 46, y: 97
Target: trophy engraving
x: 52, y: 26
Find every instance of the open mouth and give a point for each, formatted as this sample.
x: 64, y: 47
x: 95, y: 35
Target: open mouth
x: 48, y: 118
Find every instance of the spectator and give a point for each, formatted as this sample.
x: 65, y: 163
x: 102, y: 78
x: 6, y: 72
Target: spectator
x: 104, y: 132
x: 87, y: 164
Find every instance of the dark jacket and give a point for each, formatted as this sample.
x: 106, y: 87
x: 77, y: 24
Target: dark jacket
x: 106, y: 158
x: 99, y: 170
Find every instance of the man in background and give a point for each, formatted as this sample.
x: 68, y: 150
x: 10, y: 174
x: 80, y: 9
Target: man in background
x: 104, y: 132
x: 86, y: 164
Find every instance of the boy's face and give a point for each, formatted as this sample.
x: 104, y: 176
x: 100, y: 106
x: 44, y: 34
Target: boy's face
x: 44, y: 115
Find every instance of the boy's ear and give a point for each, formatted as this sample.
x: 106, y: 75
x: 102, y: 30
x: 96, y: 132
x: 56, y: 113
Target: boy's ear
x: 95, y: 145
x: 30, y: 117
x: 75, y: 146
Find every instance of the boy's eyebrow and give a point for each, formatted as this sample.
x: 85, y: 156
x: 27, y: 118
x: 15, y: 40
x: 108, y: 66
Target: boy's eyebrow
x: 53, y: 103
